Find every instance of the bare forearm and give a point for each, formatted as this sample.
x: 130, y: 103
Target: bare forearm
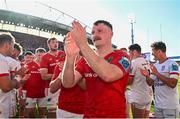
x: 99, y: 64
x: 171, y: 83
x: 11, y: 85
x: 68, y: 72
x: 47, y: 76
x: 55, y: 85
x: 15, y: 84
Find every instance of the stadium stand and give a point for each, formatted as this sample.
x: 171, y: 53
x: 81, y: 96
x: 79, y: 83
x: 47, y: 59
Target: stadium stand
x: 30, y: 41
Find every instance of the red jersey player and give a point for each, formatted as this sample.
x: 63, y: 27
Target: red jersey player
x: 47, y: 64
x: 105, y: 72
x: 35, y: 87
x: 71, y: 100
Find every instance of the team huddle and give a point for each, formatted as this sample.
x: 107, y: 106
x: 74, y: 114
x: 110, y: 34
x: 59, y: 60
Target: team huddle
x: 81, y: 82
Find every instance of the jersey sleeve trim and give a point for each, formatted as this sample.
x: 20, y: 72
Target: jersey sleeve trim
x: 5, y: 74
x: 130, y: 75
x: 174, y: 73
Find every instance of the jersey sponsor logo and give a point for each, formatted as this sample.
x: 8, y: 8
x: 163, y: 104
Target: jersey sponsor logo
x: 53, y: 64
x: 158, y: 84
x: 35, y: 72
x: 174, y: 67
x: 90, y: 75
x: 125, y: 63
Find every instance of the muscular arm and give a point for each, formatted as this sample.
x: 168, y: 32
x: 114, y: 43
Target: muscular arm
x: 69, y: 76
x: 108, y: 72
x: 6, y: 84
x: 45, y: 75
x: 170, y: 82
x: 55, y: 85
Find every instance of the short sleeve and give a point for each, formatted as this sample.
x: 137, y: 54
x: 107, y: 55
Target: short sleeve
x: 123, y: 63
x: 79, y: 66
x: 174, y: 70
x: 44, y: 62
x: 4, y: 69
x: 14, y: 65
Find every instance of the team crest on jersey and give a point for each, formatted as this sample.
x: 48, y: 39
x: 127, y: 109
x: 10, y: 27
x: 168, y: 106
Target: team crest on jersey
x: 110, y: 59
x: 124, y: 62
x: 62, y: 56
x: 162, y: 68
x: 174, y: 67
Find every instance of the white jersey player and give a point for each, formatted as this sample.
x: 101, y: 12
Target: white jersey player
x: 164, y: 76
x: 6, y: 84
x: 141, y: 93
x: 14, y: 65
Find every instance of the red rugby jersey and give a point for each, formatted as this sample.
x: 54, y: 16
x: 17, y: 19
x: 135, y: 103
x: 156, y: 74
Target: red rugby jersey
x: 35, y: 86
x: 70, y: 99
x: 106, y: 100
x: 49, y: 61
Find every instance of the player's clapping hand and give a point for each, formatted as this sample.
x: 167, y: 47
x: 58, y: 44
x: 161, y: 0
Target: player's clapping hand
x: 22, y: 71
x: 79, y: 34
x: 70, y: 46
x: 144, y: 72
x: 153, y: 69
x: 25, y: 78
